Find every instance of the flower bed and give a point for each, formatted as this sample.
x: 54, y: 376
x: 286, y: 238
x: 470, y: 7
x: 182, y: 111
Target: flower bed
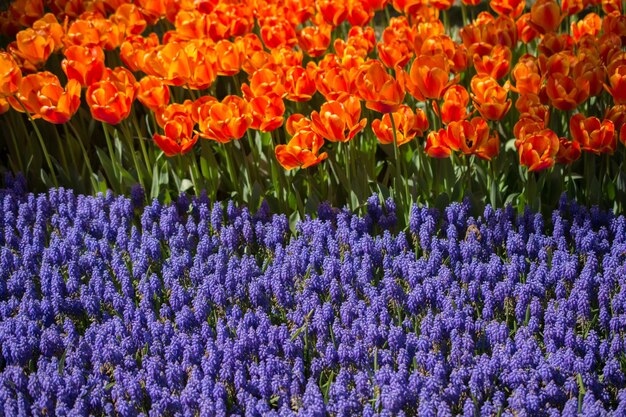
x: 108, y: 307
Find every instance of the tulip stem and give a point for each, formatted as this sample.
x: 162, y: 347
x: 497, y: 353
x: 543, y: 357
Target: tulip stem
x: 398, y: 160
x: 41, y: 142
x: 129, y: 139
x: 18, y: 154
x: 142, y: 145
x: 118, y: 176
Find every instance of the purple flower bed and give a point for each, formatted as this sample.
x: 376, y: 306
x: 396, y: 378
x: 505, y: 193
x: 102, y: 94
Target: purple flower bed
x: 194, y: 308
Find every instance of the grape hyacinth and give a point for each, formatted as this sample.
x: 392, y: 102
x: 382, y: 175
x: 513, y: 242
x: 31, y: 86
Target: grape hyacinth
x: 109, y: 307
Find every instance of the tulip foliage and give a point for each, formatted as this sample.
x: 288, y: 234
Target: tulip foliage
x: 300, y: 101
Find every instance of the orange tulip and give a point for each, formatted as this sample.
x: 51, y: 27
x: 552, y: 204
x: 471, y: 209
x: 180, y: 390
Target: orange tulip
x: 525, y: 31
x: 380, y: 90
x: 565, y: 93
x: 129, y: 19
x: 49, y: 26
x: 277, y: 32
x: 226, y: 120
x: 445, y: 46
x: 134, y: 49
x: 191, y: 24
x: 231, y: 57
x: 437, y: 144
x: 169, y: 62
x: 84, y: 64
x: 590, y: 68
x: 513, y: 8
x: 454, y: 107
x: 429, y: 77
x: 408, y: 125
x: 153, y: 92
x: 301, y: 151
x: 26, y: 12
x: 395, y: 53
x: 472, y: 137
x: 202, y: 64
x: 267, y: 113
x: 333, y: 12
x: 42, y: 95
x: 572, y: 7
x: 110, y: 99
x: 34, y: 46
x: 593, y: 135
x: 264, y: 82
x: 569, y: 151
x: 538, y: 150
x: 360, y: 12
x: 622, y: 134
x: 178, y: 137
x: 168, y: 112
x: 617, y: 88
x: 545, y: 16
x: 338, y: 120
x: 616, y: 114
x: 300, y: 83
x: 333, y: 82
x: 588, y: 25
x: 10, y: 75
x: 490, y: 99
x: 4, y: 105
x: 496, y: 63
x: 315, y: 40
x: 526, y: 75
x: 82, y: 32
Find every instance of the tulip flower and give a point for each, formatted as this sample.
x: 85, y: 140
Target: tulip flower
x: 34, y: 46
x: 513, y: 8
x: 594, y: 136
x: 333, y: 12
x: 267, y: 113
x: 617, y: 88
x: 496, y: 64
x: 569, y: 151
x: 301, y: 151
x: 315, y: 40
x: 429, y: 77
x: 473, y: 137
x: 264, y: 82
x: 437, y: 144
x: 231, y: 57
x: 565, y: 93
x: 395, y: 53
x: 10, y: 75
x: 338, y: 120
x: 178, y: 137
x: 490, y: 99
x: 545, y: 16
x: 454, y: 107
x: 277, y: 32
x: 110, y: 99
x: 538, y: 150
x: 134, y: 49
x: 408, y: 126
x: 380, y: 90
x: 42, y: 95
x: 168, y: 112
x: 153, y: 92
x: 84, y: 64
x: 588, y: 25
x: 300, y: 83
x: 226, y: 120
x: 526, y: 75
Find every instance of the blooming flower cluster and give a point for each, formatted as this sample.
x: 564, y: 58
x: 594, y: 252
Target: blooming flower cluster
x: 108, y: 307
x: 462, y: 76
